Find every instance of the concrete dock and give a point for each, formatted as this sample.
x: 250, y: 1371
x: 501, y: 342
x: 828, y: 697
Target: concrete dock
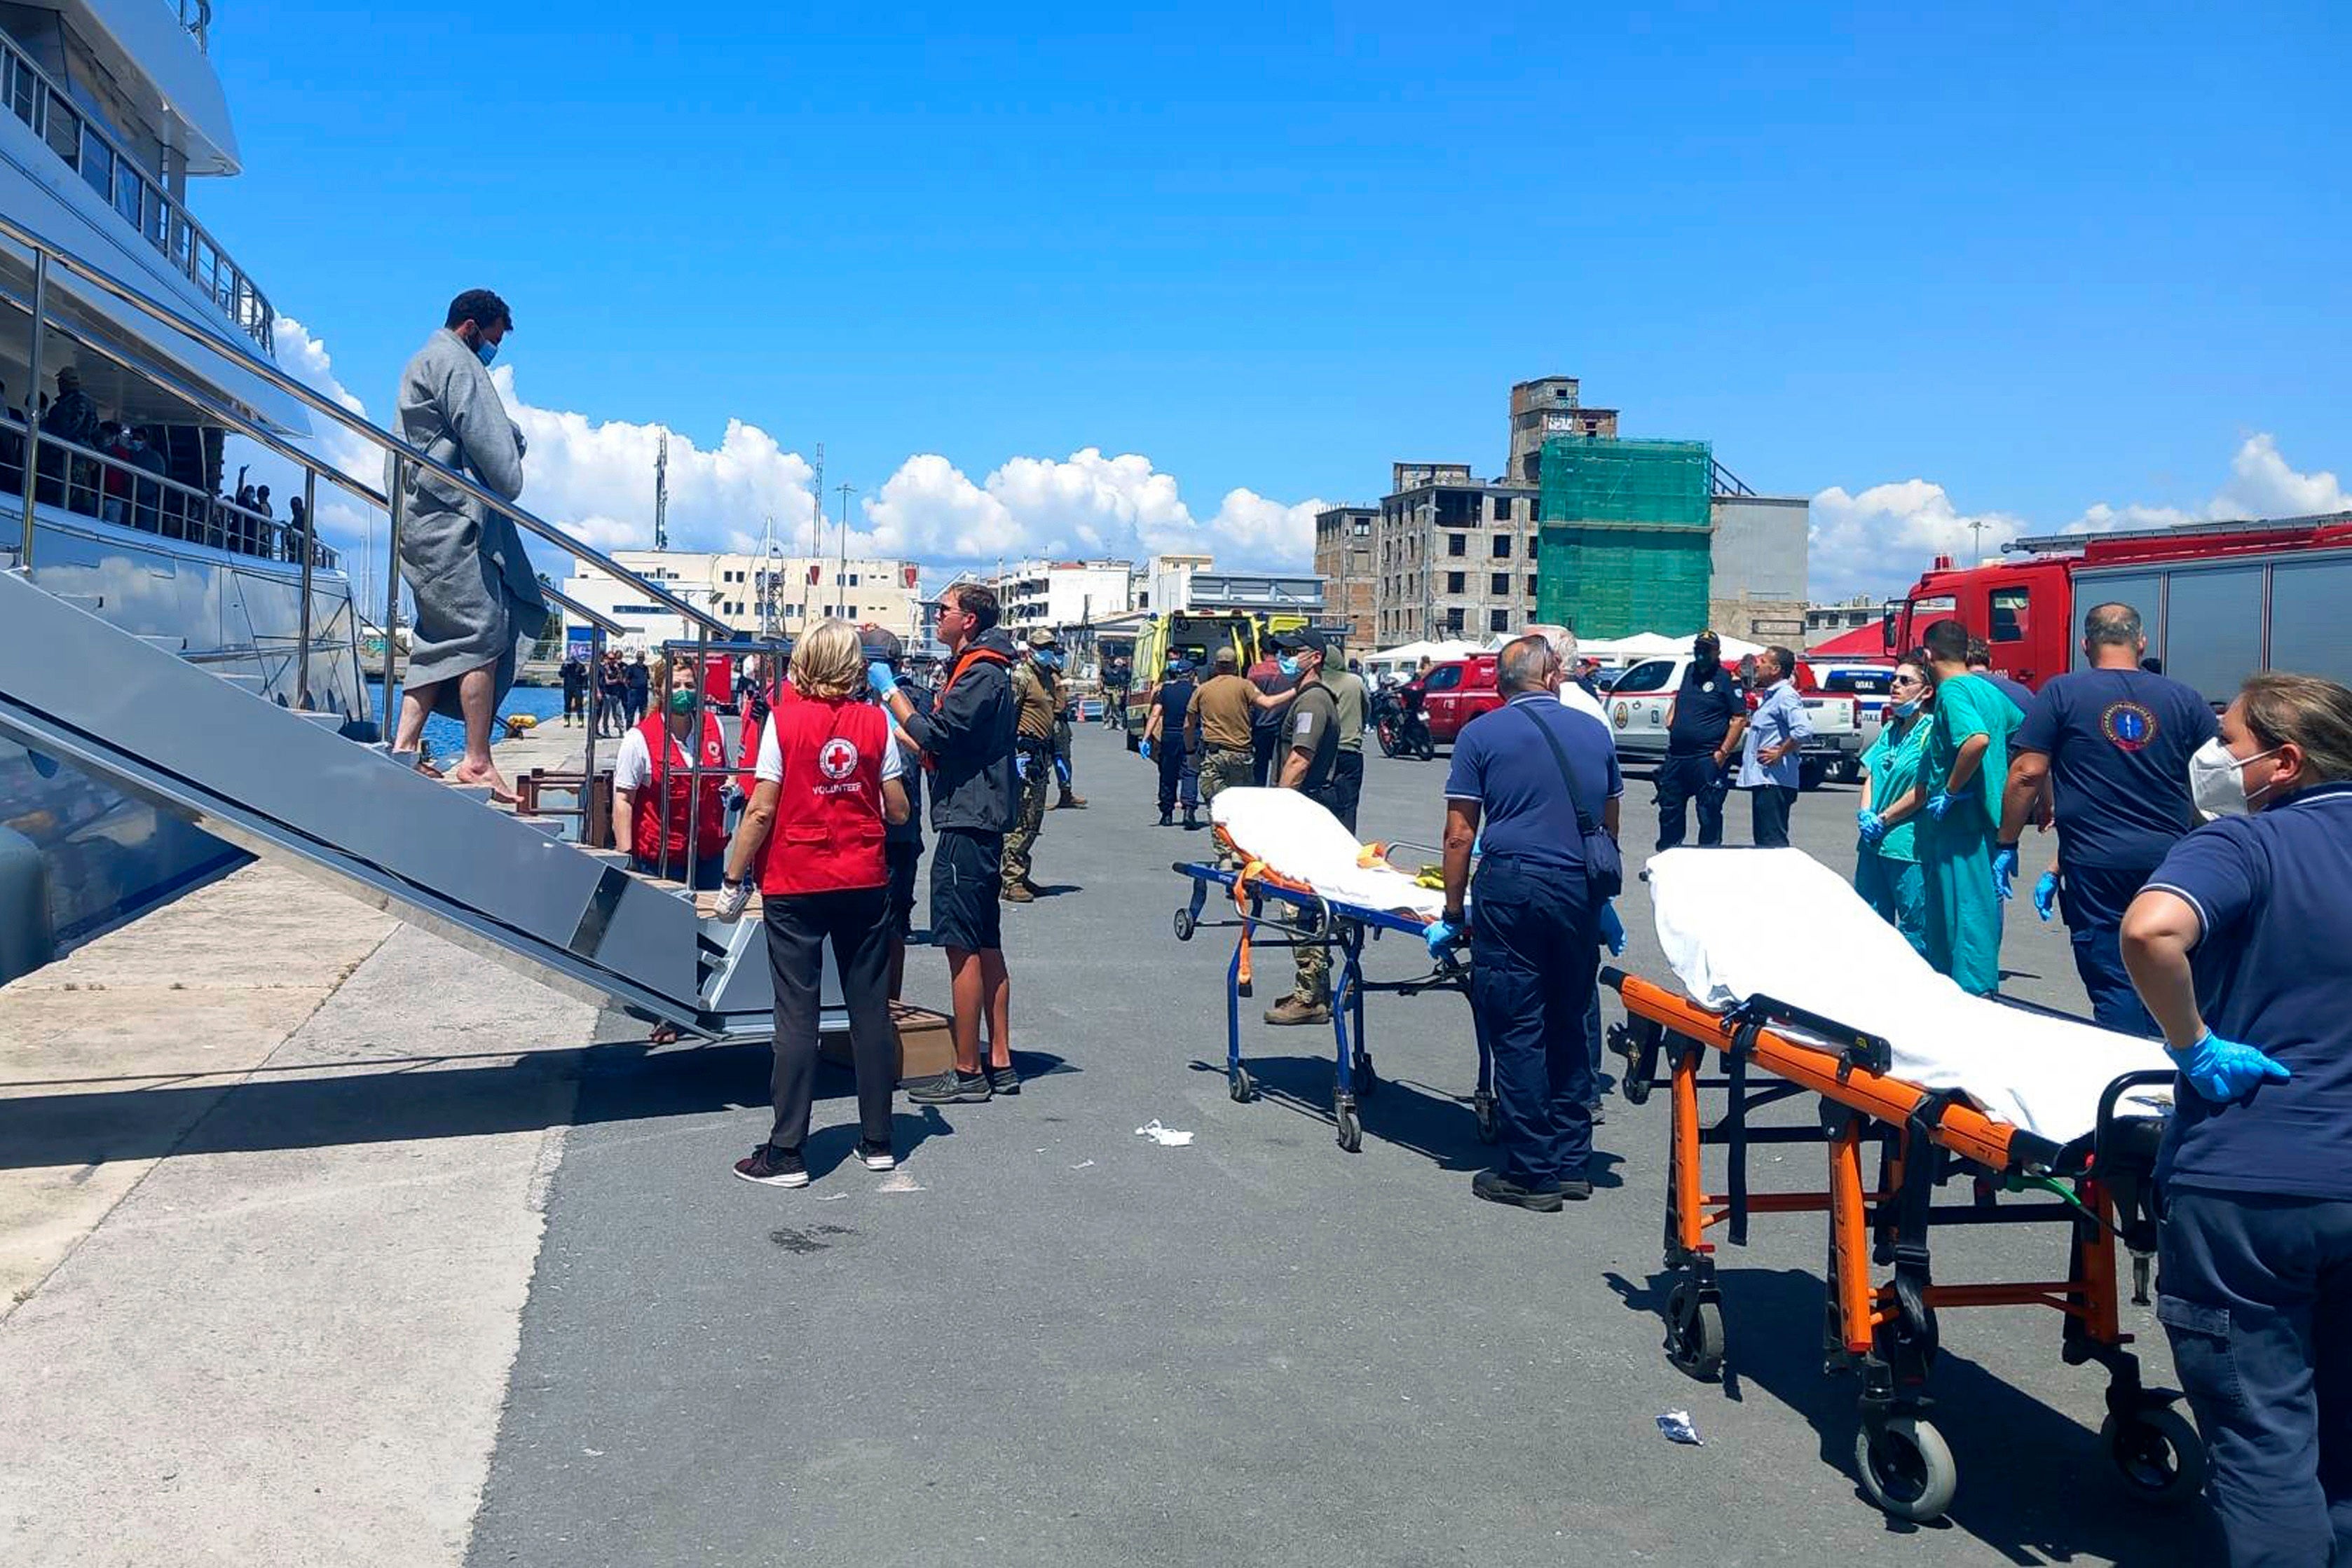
x: 325, y: 1242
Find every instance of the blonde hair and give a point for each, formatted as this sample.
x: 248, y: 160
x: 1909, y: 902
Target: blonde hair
x: 829, y: 661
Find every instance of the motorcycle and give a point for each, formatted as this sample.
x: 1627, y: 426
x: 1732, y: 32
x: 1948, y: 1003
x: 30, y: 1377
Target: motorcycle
x: 1400, y: 727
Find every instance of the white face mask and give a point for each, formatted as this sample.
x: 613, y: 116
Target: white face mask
x: 2217, y: 780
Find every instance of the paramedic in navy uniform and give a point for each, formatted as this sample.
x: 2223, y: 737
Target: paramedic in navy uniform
x: 2239, y: 948
x: 1534, y: 928
x: 2113, y: 744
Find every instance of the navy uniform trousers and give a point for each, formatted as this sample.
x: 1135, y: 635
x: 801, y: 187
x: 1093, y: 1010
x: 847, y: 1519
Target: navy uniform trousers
x: 1533, y: 966
x: 1681, y: 780
x: 2255, y: 1293
x: 2092, y: 900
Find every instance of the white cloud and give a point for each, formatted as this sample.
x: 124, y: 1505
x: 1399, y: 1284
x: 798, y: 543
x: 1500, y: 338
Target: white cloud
x: 595, y: 479
x: 1876, y: 542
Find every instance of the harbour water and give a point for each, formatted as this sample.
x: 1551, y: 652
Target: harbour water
x: 445, y: 737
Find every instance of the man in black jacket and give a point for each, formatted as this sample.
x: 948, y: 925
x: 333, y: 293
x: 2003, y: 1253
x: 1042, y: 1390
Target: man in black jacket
x: 967, y: 739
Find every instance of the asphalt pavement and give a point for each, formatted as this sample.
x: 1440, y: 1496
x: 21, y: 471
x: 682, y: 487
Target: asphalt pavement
x: 1047, y: 1340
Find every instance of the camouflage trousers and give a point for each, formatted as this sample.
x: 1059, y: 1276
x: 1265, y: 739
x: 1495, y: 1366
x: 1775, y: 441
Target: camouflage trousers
x: 1221, y: 769
x: 1036, y: 777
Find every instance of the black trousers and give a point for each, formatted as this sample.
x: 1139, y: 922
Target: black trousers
x: 1177, y: 776
x: 1347, y: 787
x: 1534, y: 962
x: 1682, y: 781
x: 1768, y: 806
x: 1264, y: 744
x: 858, y: 924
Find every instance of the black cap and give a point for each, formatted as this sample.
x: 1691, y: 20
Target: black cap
x: 880, y: 644
x: 1305, y: 640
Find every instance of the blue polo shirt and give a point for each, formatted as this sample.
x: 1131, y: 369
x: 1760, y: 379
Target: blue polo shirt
x: 2272, y: 893
x: 2118, y: 743
x: 1526, y: 813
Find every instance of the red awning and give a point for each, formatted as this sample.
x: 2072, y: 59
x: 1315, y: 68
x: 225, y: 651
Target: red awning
x: 1862, y: 643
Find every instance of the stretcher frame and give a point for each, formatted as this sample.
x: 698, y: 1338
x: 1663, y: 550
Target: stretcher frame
x: 1888, y: 1333
x: 1272, y: 912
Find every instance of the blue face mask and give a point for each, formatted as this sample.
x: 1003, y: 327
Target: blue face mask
x: 1905, y: 710
x: 485, y: 351
x: 1048, y: 658
x: 1287, y: 665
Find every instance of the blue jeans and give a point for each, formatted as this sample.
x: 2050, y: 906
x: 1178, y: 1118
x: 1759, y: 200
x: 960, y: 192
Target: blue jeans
x: 2092, y: 900
x: 2255, y: 1294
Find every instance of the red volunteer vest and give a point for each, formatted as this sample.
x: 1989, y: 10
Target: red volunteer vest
x: 828, y: 832
x: 670, y: 810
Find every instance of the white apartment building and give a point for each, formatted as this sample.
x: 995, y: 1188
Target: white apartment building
x: 750, y: 593
x: 1167, y: 581
x: 1064, y: 592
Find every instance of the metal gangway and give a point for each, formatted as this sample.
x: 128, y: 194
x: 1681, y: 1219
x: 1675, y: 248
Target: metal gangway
x: 286, y: 784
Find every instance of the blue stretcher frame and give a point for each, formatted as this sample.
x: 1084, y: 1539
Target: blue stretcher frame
x: 1297, y: 919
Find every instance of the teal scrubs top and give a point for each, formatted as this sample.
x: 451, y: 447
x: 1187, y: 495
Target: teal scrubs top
x: 1893, y: 763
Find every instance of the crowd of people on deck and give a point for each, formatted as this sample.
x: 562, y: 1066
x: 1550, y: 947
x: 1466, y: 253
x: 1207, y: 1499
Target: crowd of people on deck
x: 2203, y: 870
x: 116, y: 471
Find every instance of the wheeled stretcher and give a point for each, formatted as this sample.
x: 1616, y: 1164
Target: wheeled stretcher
x: 1295, y: 878
x: 2091, y: 1158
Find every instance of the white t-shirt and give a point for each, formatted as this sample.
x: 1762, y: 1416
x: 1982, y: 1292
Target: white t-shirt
x: 1576, y: 696
x: 770, y: 768
x: 633, y: 768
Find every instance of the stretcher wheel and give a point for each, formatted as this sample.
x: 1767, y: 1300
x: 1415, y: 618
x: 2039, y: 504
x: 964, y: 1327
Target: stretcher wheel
x: 1239, y: 1086
x: 1351, y: 1131
x: 1185, y: 925
x: 1906, y: 1469
x: 1482, y: 1105
x: 2158, y: 1453
x: 1694, y: 1331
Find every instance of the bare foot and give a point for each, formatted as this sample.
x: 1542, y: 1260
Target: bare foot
x: 429, y: 770
x: 663, y: 1034
x: 486, y: 773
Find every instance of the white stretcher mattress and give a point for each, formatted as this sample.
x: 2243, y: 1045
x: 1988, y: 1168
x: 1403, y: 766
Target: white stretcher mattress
x: 1303, y: 842
x: 1740, y: 923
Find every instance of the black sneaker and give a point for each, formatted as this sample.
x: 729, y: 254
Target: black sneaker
x: 1003, y: 1080
x: 772, y: 1167
x: 1496, y: 1187
x: 1167, y: 818
x: 877, y: 1156
x: 1575, y: 1190
x: 1594, y: 1108
x: 951, y: 1088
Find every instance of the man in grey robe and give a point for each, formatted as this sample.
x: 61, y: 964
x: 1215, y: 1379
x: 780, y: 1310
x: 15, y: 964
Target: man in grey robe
x: 475, y: 591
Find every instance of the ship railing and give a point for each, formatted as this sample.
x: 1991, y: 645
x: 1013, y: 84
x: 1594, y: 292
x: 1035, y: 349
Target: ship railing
x: 403, y: 460
x: 106, y: 166
x: 196, y: 18
x: 97, y: 484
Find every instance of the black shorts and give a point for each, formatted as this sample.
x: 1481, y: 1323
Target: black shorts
x: 966, y: 877
x: 903, y: 859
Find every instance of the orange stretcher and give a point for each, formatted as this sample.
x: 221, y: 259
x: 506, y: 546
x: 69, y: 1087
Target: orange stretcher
x: 2101, y: 1190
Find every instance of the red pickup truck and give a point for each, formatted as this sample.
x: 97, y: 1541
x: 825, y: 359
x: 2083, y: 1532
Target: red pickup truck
x: 1455, y: 692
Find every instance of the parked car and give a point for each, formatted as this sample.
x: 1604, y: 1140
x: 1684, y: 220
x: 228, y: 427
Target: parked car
x: 1641, y: 706
x: 1455, y: 692
x: 1868, y: 682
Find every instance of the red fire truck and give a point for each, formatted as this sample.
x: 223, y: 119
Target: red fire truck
x: 2220, y: 601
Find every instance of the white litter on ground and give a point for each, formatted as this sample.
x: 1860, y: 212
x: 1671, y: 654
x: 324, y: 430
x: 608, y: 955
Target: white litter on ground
x: 1676, y: 1426
x: 1166, y: 1138
x: 1082, y: 1165
x: 900, y: 1182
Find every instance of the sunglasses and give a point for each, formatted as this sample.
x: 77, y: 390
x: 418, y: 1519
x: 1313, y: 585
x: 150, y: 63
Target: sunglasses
x: 1905, y: 681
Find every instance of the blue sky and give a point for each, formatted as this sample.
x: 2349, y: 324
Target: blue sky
x: 2037, y: 260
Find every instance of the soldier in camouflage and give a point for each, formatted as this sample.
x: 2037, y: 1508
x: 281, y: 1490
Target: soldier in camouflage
x: 1032, y: 758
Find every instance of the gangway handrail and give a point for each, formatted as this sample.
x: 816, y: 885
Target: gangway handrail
x: 595, y: 618
x: 391, y: 445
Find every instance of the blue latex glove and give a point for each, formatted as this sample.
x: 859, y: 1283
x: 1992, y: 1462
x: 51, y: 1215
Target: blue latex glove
x: 1146, y: 749
x: 1873, y: 825
x: 2221, y: 1070
x: 879, y: 677
x: 1612, y: 930
x: 1020, y: 764
x: 2004, y: 875
x: 2045, y: 894
x: 1442, y: 936
x: 1939, y: 803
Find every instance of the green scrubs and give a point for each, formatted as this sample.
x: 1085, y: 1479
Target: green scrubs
x: 1956, y: 853
x: 1887, y: 873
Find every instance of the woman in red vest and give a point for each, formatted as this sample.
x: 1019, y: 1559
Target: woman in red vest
x: 827, y: 782
x: 673, y: 823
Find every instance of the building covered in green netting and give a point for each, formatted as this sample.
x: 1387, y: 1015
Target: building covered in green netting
x: 1624, y: 534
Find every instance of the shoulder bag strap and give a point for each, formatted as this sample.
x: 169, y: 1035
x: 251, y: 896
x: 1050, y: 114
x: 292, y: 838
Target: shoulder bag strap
x: 1585, y: 821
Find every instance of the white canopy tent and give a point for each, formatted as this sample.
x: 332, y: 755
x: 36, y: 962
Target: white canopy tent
x: 1406, y: 659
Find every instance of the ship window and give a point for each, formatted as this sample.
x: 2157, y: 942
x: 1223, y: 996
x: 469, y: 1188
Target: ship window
x: 127, y: 191
x: 63, y: 132
x: 159, y: 218
x: 97, y: 161
x: 23, y: 90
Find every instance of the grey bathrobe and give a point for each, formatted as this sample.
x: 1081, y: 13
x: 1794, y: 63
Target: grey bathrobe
x: 476, y: 593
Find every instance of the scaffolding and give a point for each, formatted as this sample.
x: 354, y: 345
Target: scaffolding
x: 1626, y: 535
